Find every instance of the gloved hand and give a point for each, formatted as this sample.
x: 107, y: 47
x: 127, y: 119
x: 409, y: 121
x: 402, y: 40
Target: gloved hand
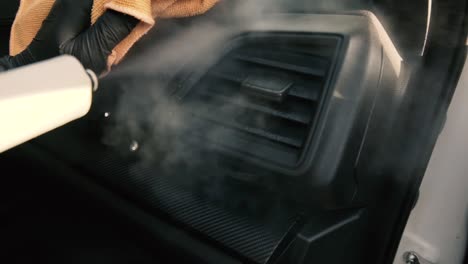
x: 94, y: 46
x: 66, y: 30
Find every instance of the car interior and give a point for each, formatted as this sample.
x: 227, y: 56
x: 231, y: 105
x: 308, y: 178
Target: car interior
x: 285, y: 131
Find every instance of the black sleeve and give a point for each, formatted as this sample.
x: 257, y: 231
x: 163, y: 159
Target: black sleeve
x: 5, y: 63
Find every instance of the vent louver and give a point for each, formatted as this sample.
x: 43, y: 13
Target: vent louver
x: 262, y: 98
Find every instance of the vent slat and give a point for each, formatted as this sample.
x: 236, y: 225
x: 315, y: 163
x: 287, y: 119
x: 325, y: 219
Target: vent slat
x: 229, y: 77
x: 241, y: 142
x: 231, y: 122
x: 318, y: 72
x: 311, y: 52
x: 310, y: 93
x: 301, y: 118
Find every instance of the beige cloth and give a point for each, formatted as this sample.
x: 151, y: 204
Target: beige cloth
x: 32, y: 13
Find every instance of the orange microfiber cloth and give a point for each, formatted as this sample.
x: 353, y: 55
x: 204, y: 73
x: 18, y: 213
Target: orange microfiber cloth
x: 32, y: 13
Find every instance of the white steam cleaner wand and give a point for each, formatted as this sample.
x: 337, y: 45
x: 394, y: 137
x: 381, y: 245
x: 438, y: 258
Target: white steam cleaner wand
x: 38, y: 98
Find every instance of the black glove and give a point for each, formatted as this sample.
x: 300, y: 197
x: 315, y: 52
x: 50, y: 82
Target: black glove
x: 66, y: 30
x: 94, y: 46
x: 66, y: 20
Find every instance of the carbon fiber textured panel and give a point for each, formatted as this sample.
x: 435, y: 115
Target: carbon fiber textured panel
x: 252, y: 234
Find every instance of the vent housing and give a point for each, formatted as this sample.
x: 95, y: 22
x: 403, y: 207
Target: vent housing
x: 262, y: 99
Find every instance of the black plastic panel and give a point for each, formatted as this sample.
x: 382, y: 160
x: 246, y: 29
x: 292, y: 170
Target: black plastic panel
x: 249, y: 207
x: 337, y: 233
x: 308, y: 131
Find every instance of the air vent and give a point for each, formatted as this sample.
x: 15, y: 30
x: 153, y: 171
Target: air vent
x: 262, y: 98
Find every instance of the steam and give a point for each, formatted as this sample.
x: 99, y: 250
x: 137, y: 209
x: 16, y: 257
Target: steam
x: 148, y: 114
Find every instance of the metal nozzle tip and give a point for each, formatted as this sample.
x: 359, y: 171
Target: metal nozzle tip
x: 94, y: 79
